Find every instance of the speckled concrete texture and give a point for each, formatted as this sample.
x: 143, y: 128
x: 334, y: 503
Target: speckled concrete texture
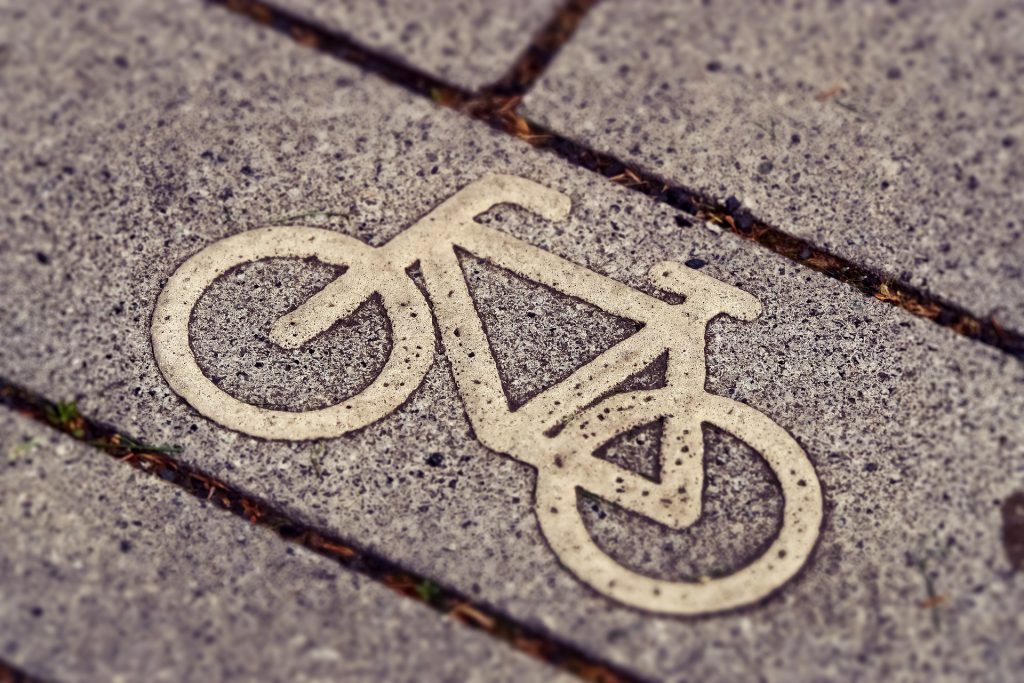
x: 889, y: 133
x: 916, y: 433
x: 229, y: 332
x: 470, y: 43
x: 108, y: 574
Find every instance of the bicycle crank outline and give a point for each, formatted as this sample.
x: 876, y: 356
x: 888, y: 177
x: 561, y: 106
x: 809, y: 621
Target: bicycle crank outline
x: 556, y: 431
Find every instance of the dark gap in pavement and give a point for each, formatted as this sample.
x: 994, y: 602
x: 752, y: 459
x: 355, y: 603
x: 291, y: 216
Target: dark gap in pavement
x: 157, y: 461
x: 1013, y: 529
x: 497, y: 108
x: 9, y: 674
x: 343, y: 47
x: 542, y: 50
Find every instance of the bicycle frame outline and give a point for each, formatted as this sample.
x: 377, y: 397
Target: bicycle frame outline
x: 581, y: 408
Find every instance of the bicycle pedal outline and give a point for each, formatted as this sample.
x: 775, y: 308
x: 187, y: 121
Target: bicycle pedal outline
x: 556, y: 431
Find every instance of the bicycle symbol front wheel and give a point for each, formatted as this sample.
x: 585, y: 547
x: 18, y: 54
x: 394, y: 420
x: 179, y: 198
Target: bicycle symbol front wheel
x: 412, y: 334
x: 564, y: 528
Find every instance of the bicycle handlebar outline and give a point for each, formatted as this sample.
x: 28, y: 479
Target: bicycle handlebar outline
x: 452, y: 224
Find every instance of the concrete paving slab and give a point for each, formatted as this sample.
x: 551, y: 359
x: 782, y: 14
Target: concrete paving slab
x: 889, y: 133
x: 469, y: 43
x: 109, y: 574
x: 915, y: 433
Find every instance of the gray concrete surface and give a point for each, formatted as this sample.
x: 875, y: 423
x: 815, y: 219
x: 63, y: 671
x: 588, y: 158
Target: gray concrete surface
x: 470, y: 43
x: 108, y: 574
x: 889, y: 133
x: 915, y: 433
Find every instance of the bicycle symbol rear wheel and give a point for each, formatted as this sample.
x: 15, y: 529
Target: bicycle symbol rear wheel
x: 564, y: 528
x: 411, y: 330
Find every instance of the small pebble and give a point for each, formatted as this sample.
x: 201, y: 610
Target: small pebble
x: 680, y: 199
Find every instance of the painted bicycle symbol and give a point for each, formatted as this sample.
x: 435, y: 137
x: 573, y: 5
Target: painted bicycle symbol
x: 556, y: 431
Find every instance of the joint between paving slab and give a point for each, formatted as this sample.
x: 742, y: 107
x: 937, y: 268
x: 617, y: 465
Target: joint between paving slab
x: 11, y: 674
x: 341, y: 46
x: 497, y: 105
x: 157, y: 461
x: 542, y: 50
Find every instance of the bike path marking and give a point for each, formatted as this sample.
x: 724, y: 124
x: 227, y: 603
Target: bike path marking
x: 556, y: 431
